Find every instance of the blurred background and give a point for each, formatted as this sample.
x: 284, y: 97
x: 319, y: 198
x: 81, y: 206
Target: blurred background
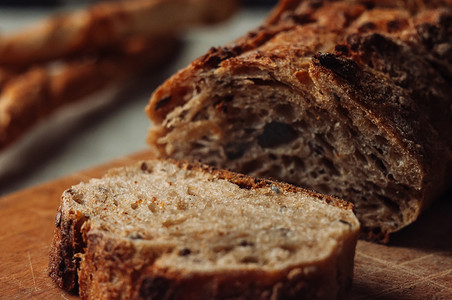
x: 110, y: 121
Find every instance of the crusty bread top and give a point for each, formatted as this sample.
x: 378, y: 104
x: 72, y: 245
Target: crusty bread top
x: 222, y: 219
x: 377, y: 72
x: 412, y: 6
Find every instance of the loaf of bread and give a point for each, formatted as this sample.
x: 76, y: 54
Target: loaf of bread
x: 31, y: 96
x: 66, y: 57
x: 106, y: 24
x: 172, y: 230
x: 349, y: 98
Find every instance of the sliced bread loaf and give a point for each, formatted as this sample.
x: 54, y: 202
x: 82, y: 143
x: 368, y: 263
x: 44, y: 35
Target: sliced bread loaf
x: 171, y: 230
x: 348, y: 98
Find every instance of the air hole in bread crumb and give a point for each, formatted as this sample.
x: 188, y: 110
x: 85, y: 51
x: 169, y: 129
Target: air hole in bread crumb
x: 389, y: 203
x: 276, y: 134
x: 184, y: 252
x: 272, y: 156
x: 317, y: 149
x: 360, y: 158
x: 161, y: 103
x: 333, y: 171
x: 379, y: 164
x: 343, y: 111
x: 249, y: 260
x: 246, y: 243
x: 376, y: 230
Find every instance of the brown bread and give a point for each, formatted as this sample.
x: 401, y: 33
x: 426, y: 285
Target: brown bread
x: 30, y: 97
x: 106, y: 24
x: 171, y: 230
x: 349, y: 98
x: 66, y: 57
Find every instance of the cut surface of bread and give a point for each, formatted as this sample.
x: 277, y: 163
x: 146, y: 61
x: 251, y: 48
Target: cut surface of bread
x: 349, y: 98
x: 171, y: 230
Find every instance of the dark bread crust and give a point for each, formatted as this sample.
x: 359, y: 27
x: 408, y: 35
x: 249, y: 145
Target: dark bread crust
x: 107, y: 258
x: 96, y: 263
x: 385, y: 61
x: 287, y: 15
x: 67, y: 242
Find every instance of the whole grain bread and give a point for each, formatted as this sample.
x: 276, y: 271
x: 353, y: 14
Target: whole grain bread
x: 349, y: 98
x: 172, y: 230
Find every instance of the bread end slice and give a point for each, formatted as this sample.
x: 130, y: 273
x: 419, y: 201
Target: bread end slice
x: 173, y: 230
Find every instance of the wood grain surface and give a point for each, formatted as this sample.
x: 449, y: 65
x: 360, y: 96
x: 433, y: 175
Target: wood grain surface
x: 417, y: 264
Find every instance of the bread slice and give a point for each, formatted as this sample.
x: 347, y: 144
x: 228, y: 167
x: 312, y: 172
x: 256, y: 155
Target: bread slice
x: 171, y: 230
x: 344, y: 97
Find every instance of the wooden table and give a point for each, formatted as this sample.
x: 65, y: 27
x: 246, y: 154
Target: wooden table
x: 417, y: 264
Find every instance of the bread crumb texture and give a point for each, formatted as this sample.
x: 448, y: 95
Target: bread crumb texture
x: 205, y: 222
x: 178, y: 230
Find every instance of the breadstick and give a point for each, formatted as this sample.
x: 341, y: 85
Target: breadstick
x: 104, y: 24
x: 6, y: 75
x: 347, y: 99
x: 41, y: 90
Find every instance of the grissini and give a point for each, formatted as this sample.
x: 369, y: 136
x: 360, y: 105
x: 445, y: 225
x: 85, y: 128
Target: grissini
x: 173, y: 230
x: 105, y: 24
x: 6, y: 74
x: 349, y: 98
x: 29, y: 97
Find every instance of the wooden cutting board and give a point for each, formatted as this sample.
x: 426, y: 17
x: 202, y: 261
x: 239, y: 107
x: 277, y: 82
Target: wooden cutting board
x: 417, y: 264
